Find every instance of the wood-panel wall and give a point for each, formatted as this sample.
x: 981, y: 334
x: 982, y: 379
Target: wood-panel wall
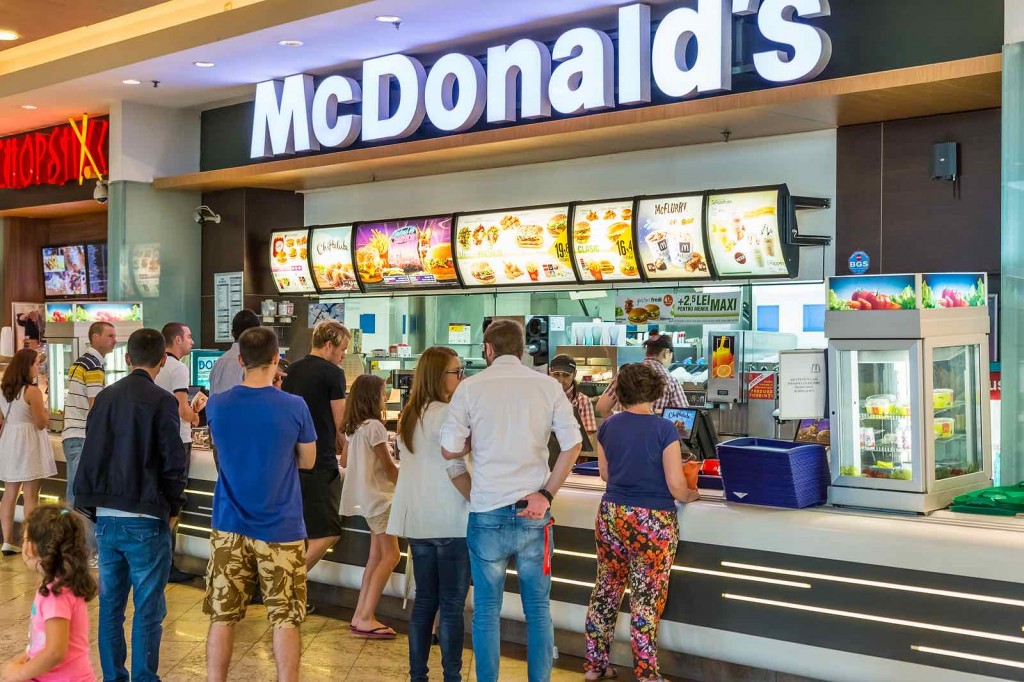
x: 888, y: 206
x: 23, y: 239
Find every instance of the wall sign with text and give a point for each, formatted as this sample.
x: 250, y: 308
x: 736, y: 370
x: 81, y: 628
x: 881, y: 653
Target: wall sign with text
x: 582, y: 72
x: 54, y: 156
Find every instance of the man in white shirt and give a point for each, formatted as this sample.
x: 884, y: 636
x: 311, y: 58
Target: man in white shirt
x: 509, y: 411
x: 174, y: 378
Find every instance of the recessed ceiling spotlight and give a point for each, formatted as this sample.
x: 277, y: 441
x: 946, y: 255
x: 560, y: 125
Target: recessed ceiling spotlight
x: 389, y: 19
x: 204, y: 65
x: 131, y: 81
x: 29, y: 107
x: 8, y: 34
x: 290, y: 43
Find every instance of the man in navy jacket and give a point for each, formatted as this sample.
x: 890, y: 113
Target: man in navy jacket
x: 132, y: 477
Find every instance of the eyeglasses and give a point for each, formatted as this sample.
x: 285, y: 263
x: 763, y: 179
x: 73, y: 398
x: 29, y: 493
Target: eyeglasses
x: 562, y: 375
x: 460, y: 372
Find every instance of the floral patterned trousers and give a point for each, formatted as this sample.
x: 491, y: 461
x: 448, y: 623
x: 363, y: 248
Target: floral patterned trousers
x: 635, y: 548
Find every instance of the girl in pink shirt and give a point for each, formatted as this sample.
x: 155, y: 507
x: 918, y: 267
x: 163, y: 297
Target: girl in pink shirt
x: 58, y: 637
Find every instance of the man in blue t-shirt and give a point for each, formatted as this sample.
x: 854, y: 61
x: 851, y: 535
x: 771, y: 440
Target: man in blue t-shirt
x: 263, y: 437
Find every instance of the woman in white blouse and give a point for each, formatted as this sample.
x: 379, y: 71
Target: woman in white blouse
x: 431, y: 510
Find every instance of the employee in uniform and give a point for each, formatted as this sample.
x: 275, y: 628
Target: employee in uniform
x: 659, y: 356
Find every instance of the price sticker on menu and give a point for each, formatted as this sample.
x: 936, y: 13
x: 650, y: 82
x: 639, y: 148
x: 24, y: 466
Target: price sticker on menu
x: 459, y: 334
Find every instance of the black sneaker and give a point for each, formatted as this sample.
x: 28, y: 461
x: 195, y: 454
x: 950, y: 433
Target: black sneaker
x: 179, y: 576
x: 310, y: 609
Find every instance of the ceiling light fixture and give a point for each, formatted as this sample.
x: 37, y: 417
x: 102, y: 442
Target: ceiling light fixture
x: 204, y: 65
x: 29, y: 107
x: 389, y: 19
x: 8, y: 34
x: 290, y: 43
x: 131, y: 81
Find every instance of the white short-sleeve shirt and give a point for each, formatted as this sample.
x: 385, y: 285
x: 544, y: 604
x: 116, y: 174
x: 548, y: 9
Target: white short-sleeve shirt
x: 174, y: 378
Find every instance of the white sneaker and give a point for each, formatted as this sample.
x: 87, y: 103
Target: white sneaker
x: 10, y: 550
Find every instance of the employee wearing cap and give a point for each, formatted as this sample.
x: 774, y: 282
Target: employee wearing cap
x: 563, y: 368
x: 659, y: 357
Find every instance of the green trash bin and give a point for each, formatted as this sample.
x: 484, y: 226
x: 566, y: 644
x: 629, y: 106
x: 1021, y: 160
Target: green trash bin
x: 1005, y: 500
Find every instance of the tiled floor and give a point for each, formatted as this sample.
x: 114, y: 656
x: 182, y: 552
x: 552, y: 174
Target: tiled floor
x: 330, y: 652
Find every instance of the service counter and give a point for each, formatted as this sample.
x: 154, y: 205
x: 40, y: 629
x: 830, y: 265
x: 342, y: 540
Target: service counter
x: 824, y: 593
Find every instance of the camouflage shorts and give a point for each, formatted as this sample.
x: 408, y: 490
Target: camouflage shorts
x: 237, y: 563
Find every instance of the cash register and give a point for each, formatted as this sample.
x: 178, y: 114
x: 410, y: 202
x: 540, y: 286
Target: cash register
x: 698, y: 435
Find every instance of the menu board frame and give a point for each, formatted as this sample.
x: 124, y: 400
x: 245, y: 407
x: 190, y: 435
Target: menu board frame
x: 786, y: 214
x: 711, y: 275
x: 351, y: 245
x: 632, y: 201
x: 309, y: 264
x: 89, y: 295
x: 409, y: 288
x: 567, y: 206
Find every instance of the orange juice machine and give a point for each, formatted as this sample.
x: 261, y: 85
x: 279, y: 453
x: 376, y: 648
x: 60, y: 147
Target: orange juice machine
x: 743, y: 369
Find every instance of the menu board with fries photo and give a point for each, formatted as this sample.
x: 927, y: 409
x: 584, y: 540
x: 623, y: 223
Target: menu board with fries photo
x: 289, y: 263
x: 743, y: 233
x: 602, y: 240
x: 514, y: 247
x: 405, y: 254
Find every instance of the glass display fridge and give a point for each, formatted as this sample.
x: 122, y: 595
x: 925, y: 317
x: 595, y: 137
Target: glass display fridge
x: 909, y: 398
x: 67, y: 337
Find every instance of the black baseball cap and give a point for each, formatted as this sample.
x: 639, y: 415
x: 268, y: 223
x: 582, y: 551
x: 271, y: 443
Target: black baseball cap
x: 658, y: 342
x: 563, y: 363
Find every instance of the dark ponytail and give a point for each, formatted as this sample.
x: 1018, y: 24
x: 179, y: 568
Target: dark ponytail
x: 58, y: 537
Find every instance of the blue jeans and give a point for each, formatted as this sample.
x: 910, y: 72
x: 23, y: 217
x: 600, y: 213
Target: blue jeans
x: 441, y: 568
x: 135, y: 554
x: 72, y: 454
x: 494, y: 537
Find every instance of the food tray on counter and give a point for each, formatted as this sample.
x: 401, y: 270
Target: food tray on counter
x: 997, y: 501
x: 774, y: 473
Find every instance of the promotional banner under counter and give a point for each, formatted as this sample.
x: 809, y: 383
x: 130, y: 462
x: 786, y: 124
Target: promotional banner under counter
x: 698, y: 308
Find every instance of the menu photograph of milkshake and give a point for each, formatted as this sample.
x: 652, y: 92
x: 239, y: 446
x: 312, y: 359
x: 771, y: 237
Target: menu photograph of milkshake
x: 405, y: 254
x: 331, y: 256
x: 743, y: 234
x: 670, y: 237
x: 602, y: 241
x: 289, y: 263
x: 518, y: 246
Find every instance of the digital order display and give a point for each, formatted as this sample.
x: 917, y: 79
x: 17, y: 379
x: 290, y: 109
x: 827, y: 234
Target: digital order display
x: 682, y: 418
x: 517, y: 246
x: 405, y: 254
x: 743, y: 234
x: 97, y: 260
x: 602, y: 241
x: 670, y: 237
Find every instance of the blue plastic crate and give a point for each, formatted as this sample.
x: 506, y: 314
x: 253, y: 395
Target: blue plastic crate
x: 775, y: 473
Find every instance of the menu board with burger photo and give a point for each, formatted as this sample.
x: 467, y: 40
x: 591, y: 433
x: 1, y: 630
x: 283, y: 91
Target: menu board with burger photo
x: 518, y: 246
x: 670, y: 237
x: 405, y: 254
x: 602, y: 241
x: 743, y: 234
x: 289, y: 262
x: 330, y: 252
x: 65, y: 271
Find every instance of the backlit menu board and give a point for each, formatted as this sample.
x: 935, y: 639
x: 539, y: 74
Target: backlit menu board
x: 670, y: 237
x: 65, y: 271
x: 517, y: 246
x: 330, y: 252
x: 289, y: 263
x: 405, y: 254
x: 97, y: 259
x: 602, y: 241
x: 743, y: 233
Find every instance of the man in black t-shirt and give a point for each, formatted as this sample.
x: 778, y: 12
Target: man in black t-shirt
x: 319, y: 381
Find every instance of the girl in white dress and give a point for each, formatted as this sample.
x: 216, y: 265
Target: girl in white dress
x: 26, y: 457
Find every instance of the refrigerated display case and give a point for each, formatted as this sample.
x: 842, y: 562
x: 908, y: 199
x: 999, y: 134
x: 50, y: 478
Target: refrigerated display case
x: 909, y: 408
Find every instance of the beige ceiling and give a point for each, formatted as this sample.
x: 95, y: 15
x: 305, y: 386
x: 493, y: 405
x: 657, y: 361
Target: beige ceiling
x: 35, y: 19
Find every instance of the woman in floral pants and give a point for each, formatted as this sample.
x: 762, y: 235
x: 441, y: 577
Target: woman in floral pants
x: 637, y: 526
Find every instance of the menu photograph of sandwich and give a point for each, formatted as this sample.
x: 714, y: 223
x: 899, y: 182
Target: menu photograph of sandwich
x: 408, y: 254
x: 289, y: 261
x: 602, y: 239
x: 514, y: 247
x: 743, y: 229
x: 331, y: 255
x: 670, y: 237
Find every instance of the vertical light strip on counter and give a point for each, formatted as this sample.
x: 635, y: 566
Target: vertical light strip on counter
x: 876, y: 583
x: 969, y: 657
x: 877, y: 619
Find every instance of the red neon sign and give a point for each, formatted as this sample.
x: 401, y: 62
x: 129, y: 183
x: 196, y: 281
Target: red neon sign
x: 52, y: 157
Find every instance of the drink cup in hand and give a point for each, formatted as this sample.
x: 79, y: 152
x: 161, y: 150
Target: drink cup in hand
x: 691, y: 471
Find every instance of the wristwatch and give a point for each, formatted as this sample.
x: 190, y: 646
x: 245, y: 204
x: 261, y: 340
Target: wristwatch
x: 550, y: 498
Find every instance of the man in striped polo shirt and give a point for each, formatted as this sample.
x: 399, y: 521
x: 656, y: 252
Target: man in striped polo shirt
x: 86, y: 379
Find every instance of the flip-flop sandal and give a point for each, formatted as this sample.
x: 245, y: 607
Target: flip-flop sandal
x: 383, y: 632
x: 608, y: 673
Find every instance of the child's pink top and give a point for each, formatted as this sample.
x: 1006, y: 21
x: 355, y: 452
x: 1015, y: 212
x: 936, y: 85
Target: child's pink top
x: 76, y: 666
